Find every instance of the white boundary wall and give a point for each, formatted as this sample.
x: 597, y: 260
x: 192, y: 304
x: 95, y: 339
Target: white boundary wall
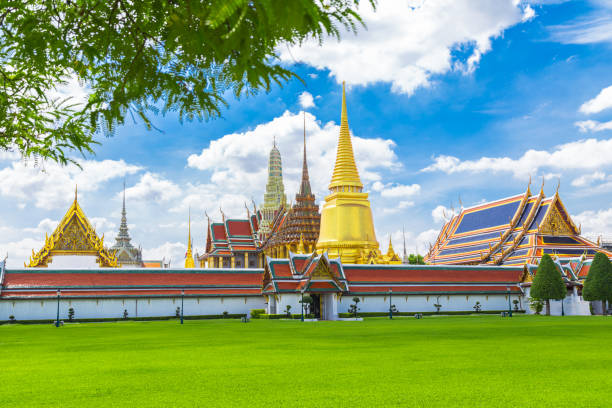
x: 42, y: 309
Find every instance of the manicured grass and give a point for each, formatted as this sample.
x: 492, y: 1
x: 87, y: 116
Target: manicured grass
x: 476, y: 361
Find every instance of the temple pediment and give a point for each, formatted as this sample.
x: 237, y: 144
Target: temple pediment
x: 73, y: 236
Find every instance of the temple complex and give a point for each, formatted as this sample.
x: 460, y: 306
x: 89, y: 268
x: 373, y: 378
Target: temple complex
x: 296, y: 230
x: 126, y: 253
x: 347, y: 227
x: 516, y: 230
x: 275, y: 199
x: 74, y: 243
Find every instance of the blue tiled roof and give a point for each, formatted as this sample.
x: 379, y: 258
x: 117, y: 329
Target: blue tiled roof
x: 488, y: 217
x: 562, y: 240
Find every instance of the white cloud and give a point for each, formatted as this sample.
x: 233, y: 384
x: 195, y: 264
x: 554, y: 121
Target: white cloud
x: 152, y: 187
x: 595, y: 223
x: 593, y: 126
x: 46, y: 225
x: 170, y: 251
x: 442, y: 214
x: 588, y: 179
x: 19, y: 251
x: 586, y: 154
x: 306, y: 100
x: 100, y: 223
x: 408, y: 42
x: 602, y: 101
x: 52, y: 186
x: 400, y: 190
x: 238, y: 161
x: 594, y: 28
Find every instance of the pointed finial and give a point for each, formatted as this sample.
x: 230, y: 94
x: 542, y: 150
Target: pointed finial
x: 274, y: 140
x: 460, y: 203
x: 75, y: 193
x: 404, y: 235
x: 222, y: 214
x: 542, y: 187
x: 558, y: 185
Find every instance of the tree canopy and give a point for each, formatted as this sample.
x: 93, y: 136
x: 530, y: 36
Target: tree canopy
x: 548, y: 283
x: 139, y: 58
x: 598, y: 284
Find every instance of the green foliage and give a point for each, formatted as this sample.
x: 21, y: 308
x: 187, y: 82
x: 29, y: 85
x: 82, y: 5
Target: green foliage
x: 477, y: 307
x: 598, y: 284
x: 125, y: 313
x: 393, y: 309
x: 416, y: 259
x: 548, y: 283
x: 353, y: 309
x: 139, y: 58
x: 225, y: 314
x: 515, y: 302
x: 536, y: 305
x: 71, y: 314
x: 288, y: 310
x: 255, y: 313
x: 12, y: 319
x: 177, y: 312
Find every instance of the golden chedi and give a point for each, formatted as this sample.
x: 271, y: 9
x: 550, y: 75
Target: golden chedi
x: 347, y: 228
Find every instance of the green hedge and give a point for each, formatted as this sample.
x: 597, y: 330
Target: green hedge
x: 385, y: 314
x: 255, y: 313
x: 137, y: 319
x: 284, y: 316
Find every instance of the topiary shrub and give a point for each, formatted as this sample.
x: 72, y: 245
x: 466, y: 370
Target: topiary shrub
x: 125, y: 313
x: 598, y: 284
x: 477, y: 307
x: 288, y: 311
x: 70, y: 314
x: 225, y: 314
x: 515, y: 302
x: 353, y: 309
x: 177, y: 312
x: 255, y: 313
x: 12, y: 319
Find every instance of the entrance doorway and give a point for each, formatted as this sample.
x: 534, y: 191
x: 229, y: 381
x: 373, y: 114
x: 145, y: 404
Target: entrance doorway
x: 315, y: 306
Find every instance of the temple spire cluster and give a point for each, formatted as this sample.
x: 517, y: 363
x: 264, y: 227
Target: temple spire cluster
x: 126, y: 253
x: 275, y: 199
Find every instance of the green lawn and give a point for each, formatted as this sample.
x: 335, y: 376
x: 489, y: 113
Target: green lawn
x: 471, y: 361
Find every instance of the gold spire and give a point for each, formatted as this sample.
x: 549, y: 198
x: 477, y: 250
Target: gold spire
x: 189, y: 263
x: 345, y: 170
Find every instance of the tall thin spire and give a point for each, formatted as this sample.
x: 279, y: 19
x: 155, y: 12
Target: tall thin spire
x: 189, y: 263
x: 123, y: 238
x: 305, y: 185
x: 345, y: 169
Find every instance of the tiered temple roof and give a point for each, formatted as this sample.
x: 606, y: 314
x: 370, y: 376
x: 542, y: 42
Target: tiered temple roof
x: 511, y: 231
x: 318, y: 273
x: 301, y: 223
x: 230, y: 237
x: 125, y: 283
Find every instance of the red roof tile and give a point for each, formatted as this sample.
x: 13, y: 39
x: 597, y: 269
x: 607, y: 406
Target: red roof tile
x: 432, y: 274
x: 239, y: 227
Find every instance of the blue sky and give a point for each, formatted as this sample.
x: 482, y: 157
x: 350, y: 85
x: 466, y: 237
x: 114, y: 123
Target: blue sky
x: 448, y: 103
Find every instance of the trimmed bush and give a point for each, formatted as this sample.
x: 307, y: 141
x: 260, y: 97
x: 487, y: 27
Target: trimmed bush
x: 256, y: 313
x: 548, y: 283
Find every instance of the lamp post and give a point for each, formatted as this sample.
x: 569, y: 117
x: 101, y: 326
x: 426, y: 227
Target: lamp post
x: 58, y: 298
x: 182, y: 303
x: 509, y: 305
x: 390, y: 308
x: 562, y: 309
x: 302, y: 306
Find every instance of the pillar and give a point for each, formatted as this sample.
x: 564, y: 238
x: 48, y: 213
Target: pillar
x: 220, y: 260
x: 233, y: 262
x: 246, y: 259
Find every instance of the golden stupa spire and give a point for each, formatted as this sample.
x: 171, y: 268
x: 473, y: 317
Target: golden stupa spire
x: 345, y: 170
x: 189, y: 263
x: 300, y: 248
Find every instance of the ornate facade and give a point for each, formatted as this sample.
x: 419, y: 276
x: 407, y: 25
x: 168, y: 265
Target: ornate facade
x: 297, y: 229
x: 73, y: 237
x: 347, y: 226
x: 275, y: 199
x: 126, y: 253
x: 513, y: 231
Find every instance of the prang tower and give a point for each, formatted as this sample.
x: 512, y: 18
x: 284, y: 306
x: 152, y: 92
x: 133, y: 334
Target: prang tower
x: 347, y: 228
x: 274, y: 197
